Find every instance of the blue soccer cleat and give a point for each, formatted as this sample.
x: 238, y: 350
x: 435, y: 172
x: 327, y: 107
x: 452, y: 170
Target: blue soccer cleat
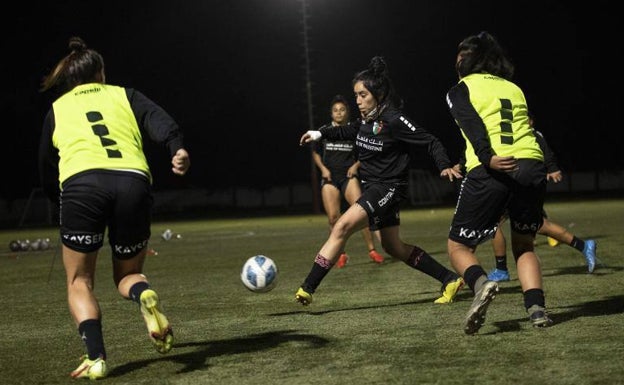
x: 589, y: 251
x: 498, y: 275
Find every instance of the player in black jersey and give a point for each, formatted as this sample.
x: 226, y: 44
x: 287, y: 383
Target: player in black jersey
x: 383, y: 137
x: 556, y: 233
x: 92, y: 164
x: 505, y: 172
x: 336, y: 160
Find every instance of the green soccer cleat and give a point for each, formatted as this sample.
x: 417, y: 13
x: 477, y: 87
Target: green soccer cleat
x: 450, y: 290
x: 160, y: 331
x: 91, y: 369
x: 303, y: 297
x: 482, y: 299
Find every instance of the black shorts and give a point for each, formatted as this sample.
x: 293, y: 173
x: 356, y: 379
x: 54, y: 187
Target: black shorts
x: 382, y: 203
x: 484, y: 198
x: 95, y: 200
x: 341, y: 185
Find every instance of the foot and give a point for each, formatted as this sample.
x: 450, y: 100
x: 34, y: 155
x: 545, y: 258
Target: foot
x: 303, y: 297
x: 91, y: 369
x: 375, y: 256
x: 498, y: 275
x: 538, y: 317
x: 589, y: 251
x: 158, y: 327
x: 342, y: 260
x: 450, y: 290
x: 476, y: 315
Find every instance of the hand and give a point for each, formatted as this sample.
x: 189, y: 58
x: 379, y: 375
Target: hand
x: 555, y: 177
x: 451, y: 174
x: 503, y: 163
x: 310, y: 136
x: 181, y: 162
x: 352, y: 172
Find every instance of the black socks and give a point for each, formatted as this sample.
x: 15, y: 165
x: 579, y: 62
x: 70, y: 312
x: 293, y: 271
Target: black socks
x: 91, y: 333
x: 137, y: 289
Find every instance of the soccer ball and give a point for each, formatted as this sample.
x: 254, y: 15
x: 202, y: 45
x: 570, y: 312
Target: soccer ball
x: 15, y: 245
x: 259, y: 274
x: 36, y: 244
x: 44, y: 244
x: 24, y: 245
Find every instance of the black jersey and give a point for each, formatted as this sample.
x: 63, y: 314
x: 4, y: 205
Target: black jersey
x: 383, y: 145
x: 337, y: 155
x: 550, y: 159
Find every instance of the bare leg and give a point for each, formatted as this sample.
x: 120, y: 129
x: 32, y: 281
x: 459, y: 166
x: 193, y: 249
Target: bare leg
x: 80, y: 273
x: 556, y: 231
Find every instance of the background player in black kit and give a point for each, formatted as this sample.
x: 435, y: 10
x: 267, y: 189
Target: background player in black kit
x: 92, y: 163
x: 336, y: 160
x: 383, y: 137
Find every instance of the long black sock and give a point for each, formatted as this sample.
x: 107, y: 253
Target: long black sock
x: 501, y: 262
x: 91, y: 333
x: 534, y: 297
x: 578, y: 244
x: 475, y: 276
x: 319, y: 270
x: 420, y: 260
x: 137, y: 289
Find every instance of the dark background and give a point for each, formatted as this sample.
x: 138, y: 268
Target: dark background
x: 232, y: 73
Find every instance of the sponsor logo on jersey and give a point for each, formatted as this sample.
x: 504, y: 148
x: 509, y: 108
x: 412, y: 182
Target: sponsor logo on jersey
x: 88, y: 91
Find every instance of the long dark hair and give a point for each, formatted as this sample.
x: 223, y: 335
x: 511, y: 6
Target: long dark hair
x: 376, y: 79
x: 483, y: 54
x: 82, y: 65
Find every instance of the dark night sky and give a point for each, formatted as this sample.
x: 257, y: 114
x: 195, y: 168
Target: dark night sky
x: 232, y: 74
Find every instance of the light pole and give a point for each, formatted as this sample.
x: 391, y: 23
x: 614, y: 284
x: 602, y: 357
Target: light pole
x: 308, y: 81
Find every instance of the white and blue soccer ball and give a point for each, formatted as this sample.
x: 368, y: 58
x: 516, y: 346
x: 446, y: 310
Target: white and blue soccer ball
x: 259, y: 274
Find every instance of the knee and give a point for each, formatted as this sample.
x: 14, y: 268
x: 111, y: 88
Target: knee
x: 340, y: 230
x: 520, y: 248
x: 391, y: 248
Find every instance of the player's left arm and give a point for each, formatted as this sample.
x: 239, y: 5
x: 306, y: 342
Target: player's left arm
x: 152, y: 118
x: 409, y: 131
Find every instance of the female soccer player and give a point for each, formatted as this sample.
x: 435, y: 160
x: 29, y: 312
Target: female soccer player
x: 383, y: 137
x: 505, y: 172
x: 336, y: 160
x: 92, y: 164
